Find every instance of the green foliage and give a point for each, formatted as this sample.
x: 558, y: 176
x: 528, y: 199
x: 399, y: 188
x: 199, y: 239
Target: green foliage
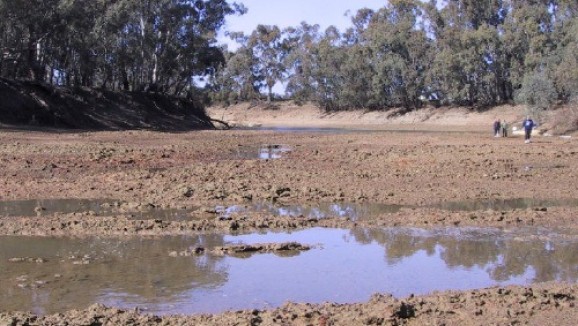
x: 301, y: 61
x: 537, y: 93
x: 409, y: 52
x: 156, y: 45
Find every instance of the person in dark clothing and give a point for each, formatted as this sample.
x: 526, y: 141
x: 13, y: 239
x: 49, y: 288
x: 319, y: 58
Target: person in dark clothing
x: 528, y: 125
x: 497, y: 128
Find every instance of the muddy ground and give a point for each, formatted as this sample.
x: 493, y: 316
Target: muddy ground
x: 451, y: 159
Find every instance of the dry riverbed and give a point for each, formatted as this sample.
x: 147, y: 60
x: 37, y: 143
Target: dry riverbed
x: 420, y: 171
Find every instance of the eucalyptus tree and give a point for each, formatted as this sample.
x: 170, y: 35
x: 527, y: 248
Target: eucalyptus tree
x: 328, y: 58
x: 26, y: 27
x: 269, y: 51
x: 565, y: 72
x: 167, y: 42
x: 237, y: 79
x: 399, y: 50
x: 466, y: 67
x: 527, y: 38
x: 300, y: 62
x: 356, y: 69
x: 131, y: 44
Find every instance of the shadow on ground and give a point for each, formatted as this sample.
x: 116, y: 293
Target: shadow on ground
x: 32, y: 106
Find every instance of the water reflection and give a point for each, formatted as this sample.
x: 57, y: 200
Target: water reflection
x: 317, y: 211
x: 505, y: 204
x: 77, y: 271
x: 35, y: 207
x: 344, y: 266
x: 352, y: 211
x: 38, y: 207
x: 360, y: 211
x: 262, y: 152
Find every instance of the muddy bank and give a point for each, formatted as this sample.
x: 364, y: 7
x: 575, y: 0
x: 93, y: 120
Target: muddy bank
x: 546, y: 304
x: 86, y: 224
x: 34, y: 105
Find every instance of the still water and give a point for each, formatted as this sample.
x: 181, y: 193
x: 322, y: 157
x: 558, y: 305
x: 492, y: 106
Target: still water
x: 262, y: 152
x: 352, y: 211
x: 343, y: 266
x: 39, y: 207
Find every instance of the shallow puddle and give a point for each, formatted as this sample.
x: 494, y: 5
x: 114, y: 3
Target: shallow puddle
x: 46, y: 275
x: 360, y: 211
x: 30, y: 208
x: 352, y: 211
x: 317, y: 211
x: 40, y: 207
x: 262, y: 152
x: 35, y: 207
x: 505, y: 204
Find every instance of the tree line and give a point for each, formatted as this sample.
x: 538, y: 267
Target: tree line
x: 406, y: 54
x: 154, y: 45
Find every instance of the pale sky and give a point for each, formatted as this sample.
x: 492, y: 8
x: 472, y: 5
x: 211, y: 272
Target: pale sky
x: 285, y: 13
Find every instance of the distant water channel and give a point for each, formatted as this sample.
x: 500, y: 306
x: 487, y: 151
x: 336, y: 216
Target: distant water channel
x: 47, y: 275
x: 348, y: 130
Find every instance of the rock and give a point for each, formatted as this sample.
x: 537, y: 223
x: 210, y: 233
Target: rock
x: 405, y: 311
x: 187, y: 192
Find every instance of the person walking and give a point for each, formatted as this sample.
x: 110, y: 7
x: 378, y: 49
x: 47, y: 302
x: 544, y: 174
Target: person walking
x: 504, y: 128
x: 497, y: 128
x: 528, y: 125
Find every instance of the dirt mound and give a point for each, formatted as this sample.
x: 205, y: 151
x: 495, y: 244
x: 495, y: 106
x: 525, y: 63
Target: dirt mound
x: 29, y: 104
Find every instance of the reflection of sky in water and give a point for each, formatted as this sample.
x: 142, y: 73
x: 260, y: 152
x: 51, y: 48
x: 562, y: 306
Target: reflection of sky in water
x: 341, y: 269
x: 343, y: 266
x: 262, y: 152
x: 318, y: 211
x: 269, y: 152
x: 357, y: 211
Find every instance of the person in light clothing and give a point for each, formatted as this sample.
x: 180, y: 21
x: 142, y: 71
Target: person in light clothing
x: 504, y: 128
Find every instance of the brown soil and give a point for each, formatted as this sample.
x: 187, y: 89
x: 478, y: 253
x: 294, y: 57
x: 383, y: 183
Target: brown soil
x: 442, y: 156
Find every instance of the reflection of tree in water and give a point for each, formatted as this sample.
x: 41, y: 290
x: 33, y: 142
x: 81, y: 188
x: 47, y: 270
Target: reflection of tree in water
x: 504, y: 204
x: 139, y: 267
x: 473, y: 250
x: 549, y: 261
x: 503, y: 256
x: 398, y: 244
